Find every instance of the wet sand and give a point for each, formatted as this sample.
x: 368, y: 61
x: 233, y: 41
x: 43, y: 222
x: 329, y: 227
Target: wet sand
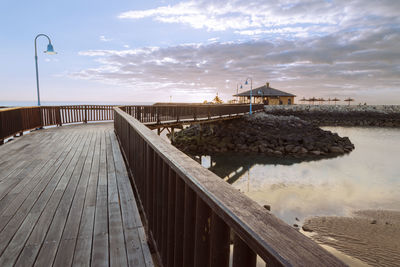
x: 372, y: 236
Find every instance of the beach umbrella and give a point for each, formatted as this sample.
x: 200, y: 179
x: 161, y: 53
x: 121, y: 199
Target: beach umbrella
x: 335, y: 100
x: 321, y: 100
x: 349, y: 100
x: 303, y: 100
x: 312, y: 100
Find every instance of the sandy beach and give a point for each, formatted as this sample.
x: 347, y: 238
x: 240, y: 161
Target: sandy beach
x: 372, y: 236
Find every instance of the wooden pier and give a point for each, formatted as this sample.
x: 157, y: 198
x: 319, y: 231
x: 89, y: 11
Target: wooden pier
x: 101, y: 194
x: 65, y: 198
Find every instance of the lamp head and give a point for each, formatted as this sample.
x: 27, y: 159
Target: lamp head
x: 246, y: 82
x: 50, y: 50
x: 241, y: 86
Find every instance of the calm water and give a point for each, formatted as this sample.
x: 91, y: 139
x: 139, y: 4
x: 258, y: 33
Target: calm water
x: 367, y: 178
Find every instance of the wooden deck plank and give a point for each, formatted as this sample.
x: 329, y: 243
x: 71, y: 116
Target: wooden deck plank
x: 16, y: 215
x: 10, y: 155
x: 118, y: 256
x: 49, y: 248
x: 136, y: 247
x: 36, y: 224
x: 65, y: 253
x: 68, y: 201
x: 27, y: 167
x: 83, y: 248
x: 16, y: 196
x: 100, y: 252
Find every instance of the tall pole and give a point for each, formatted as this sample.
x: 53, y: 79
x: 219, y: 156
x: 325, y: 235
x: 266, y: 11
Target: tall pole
x: 36, y: 63
x: 237, y: 92
x: 251, y: 90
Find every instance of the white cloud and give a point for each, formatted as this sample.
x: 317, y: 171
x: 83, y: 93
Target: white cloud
x: 104, y: 39
x: 346, y: 63
x: 297, y: 17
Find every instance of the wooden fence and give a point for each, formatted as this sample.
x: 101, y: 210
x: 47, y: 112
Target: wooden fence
x: 18, y: 120
x: 178, y: 113
x: 191, y: 213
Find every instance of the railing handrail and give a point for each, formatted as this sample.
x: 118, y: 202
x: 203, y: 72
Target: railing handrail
x: 272, y: 239
x: 65, y: 114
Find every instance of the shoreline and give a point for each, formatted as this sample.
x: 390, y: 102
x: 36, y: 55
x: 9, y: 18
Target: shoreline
x: 370, y: 236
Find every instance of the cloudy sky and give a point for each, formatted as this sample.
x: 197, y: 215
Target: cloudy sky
x: 143, y: 51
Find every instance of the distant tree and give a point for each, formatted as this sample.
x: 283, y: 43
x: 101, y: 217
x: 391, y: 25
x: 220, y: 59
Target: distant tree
x: 205, y: 102
x: 349, y: 100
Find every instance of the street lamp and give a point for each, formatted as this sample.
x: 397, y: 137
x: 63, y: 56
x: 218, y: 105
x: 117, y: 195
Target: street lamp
x: 251, y: 89
x: 237, y: 91
x: 50, y: 51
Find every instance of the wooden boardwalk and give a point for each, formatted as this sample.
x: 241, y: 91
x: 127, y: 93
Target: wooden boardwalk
x: 66, y: 199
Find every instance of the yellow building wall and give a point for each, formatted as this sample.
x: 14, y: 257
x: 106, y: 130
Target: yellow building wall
x: 283, y: 99
x: 271, y: 100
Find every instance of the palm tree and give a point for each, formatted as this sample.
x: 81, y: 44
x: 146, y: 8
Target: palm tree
x: 349, y: 100
x: 217, y: 100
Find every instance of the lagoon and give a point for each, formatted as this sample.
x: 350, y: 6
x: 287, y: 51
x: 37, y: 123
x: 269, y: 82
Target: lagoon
x: 367, y: 178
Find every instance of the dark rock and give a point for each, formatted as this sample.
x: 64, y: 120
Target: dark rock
x: 373, y: 222
x: 265, y: 134
x: 307, y: 228
x: 268, y: 207
x: 303, y: 150
x: 336, y: 149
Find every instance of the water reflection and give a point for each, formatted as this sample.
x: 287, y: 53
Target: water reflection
x: 367, y: 178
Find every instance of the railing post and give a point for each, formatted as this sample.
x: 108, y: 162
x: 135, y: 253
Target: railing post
x: 220, y: 241
x: 171, y: 218
x: 164, y: 230
x: 86, y: 120
x: 202, y: 234
x: 189, y: 226
x: 179, y: 221
x: 242, y: 254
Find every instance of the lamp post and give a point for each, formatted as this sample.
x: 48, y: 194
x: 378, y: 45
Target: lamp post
x: 251, y: 89
x: 50, y: 51
x: 237, y: 91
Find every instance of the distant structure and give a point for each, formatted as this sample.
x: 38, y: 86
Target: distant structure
x: 266, y: 95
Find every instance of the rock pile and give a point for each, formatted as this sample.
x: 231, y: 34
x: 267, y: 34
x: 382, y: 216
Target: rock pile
x: 262, y: 133
x: 361, y: 115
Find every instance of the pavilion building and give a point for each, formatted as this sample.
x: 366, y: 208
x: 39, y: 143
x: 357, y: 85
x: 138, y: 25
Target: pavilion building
x: 266, y: 95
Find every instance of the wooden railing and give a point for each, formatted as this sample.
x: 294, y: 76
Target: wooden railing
x: 58, y: 115
x: 18, y: 120
x: 178, y: 113
x: 191, y: 213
